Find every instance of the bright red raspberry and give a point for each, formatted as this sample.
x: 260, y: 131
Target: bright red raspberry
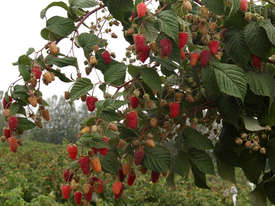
x: 213, y: 46
x: 140, y: 42
x: 72, y: 151
x: 182, y: 54
x: 165, y: 47
x: 66, y: 191
x: 144, y: 54
x: 13, y: 144
x: 256, y: 61
x: 131, y: 178
x: 106, y: 56
x: 13, y: 123
x: 84, y: 163
x: 77, y: 197
x: 141, y: 9
x: 194, y: 57
x: 37, y: 72
x: 174, y: 109
x: 183, y: 39
x: 204, y: 58
x: 132, y: 120
x: 134, y: 102
x: 243, y: 5
x: 90, y: 102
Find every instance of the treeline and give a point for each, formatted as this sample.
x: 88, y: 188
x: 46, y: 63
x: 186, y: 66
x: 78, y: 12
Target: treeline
x: 63, y: 126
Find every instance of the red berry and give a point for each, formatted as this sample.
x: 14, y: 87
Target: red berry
x: 183, y: 39
x: 116, y: 187
x: 141, y: 9
x: 67, y: 175
x: 13, y: 144
x: 72, y: 151
x: 133, y: 15
x: 84, y: 163
x: 90, y: 102
x: 77, y: 197
x: 66, y: 191
x: 6, y: 132
x: 13, y: 123
x: 155, y: 176
x: 144, y: 53
x: 139, y: 155
x: 121, y: 175
x: 256, y: 61
x: 165, y: 47
x: 37, y: 72
x: 7, y: 103
x: 106, y: 56
x: 132, y: 120
x: 134, y: 101
x: 194, y: 57
x: 243, y: 5
x: 140, y: 42
x: 204, y: 58
x: 131, y: 178
x: 89, y: 195
x: 174, y: 109
x: 223, y: 34
x: 213, y: 46
x: 97, y: 184
x: 182, y: 54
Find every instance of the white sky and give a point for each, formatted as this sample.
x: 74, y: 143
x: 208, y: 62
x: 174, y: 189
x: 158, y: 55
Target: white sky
x: 20, y: 29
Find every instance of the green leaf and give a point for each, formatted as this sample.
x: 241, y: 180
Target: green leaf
x: 269, y: 29
x: 61, y: 62
x: 271, y: 154
x: 257, y: 39
x: 196, y: 140
x: 169, y: 24
x: 182, y: 165
x: 149, y: 31
x: 81, y: 87
x: 261, y: 84
x: 216, y: 6
x: 151, y: 78
x: 236, y: 47
x: 82, y: 3
x: 269, y: 188
x: 92, y: 140
x: 258, y: 197
x: 231, y: 79
x: 56, y: 3
x: 210, y: 83
x: 200, y: 177
x: 48, y: 35
x: 20, y: 92
x: 60, y: 26
x: 271, y: 115
x: 109, y: 162
x: 115, y: 74
x: 25, y: 124
x: 157, y: 159
x: 202, y: 161
x: 110, y: 115
x: 30, y: 51
x: 61, y: 76
x: 226, y: 171
x: 252, y: 124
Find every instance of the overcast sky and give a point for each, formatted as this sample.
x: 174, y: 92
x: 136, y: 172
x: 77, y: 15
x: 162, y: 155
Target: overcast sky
x: 20, y: 29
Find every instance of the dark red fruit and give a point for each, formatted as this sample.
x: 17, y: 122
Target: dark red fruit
x: 182, y: 54
x: 141, y: 9
x: 89, y: 195
x: 67, y: 175
x: 204, y: 58
x: 155, y: 176
x: 139, y: 156
x: 174, y: 109
x: 106, y: 56
x: 13, y: 144
x: 140, y: 42
x: 213, y: 46
x: 183, y: 39
x: 6, y: 132
x: 256, y: 61
x: 121, y: 176
x: 97, y: 184
x: 134, y: 101
x: 144, y: 53
x: 13, y: 123
x: 37, y: 72
x: 77, y: 197
x: 132, y: 120
x: 90, y: 102
x: 66, y: 191
x: 84, y: 163
x: 165, y: 47
x: 72, y: 151
x: 7, y: 103
x: 131, y: 178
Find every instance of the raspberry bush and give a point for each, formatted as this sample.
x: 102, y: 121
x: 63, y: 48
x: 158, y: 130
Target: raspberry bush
x: 191, y: 67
